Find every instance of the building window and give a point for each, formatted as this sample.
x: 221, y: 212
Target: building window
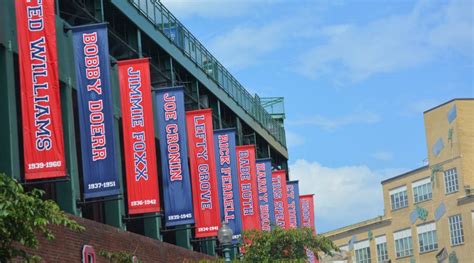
x: 403, y: 243
x: 422, y: 190
x: 362, y: 255
x: 455, y: 230
x: 427, y: 238
x: 451, y: 184
x: 382, y: 252
x: 399, y: 197
x: 362, y: 251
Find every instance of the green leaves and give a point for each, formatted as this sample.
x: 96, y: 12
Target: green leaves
x: 25, y: 214
x: 284, y: 245
x: 119, y: 257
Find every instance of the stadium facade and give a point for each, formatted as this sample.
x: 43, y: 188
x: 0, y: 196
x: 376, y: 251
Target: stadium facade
x: 135, y: 29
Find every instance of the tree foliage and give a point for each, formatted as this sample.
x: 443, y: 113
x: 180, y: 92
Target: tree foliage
x: 119, y: 257
x: 23, y: 215
x: 284, y: 245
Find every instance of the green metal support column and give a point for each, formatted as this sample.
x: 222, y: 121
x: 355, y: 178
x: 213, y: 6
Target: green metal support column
x: 198, y: 95
x: 183, y: 237
x: 239, y: 131
x: 209, y: 247
x: 234, y: 253
x: 173, y: 77
x: 139, y: 43
x: 68, y: 192
x: 10, y: 152
x: 152, y: 227
x: 115, y: 210
x: 219, y: 113
x: 99, y: 9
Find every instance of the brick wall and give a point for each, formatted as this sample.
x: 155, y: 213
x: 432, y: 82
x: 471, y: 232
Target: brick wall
x: 67, y: 246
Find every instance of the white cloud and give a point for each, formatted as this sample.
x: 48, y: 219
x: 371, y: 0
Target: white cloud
x: 355, y: 52
x: 246, y: 45
x: 457, y: 28
x: 212, y: 8
x: 333, y: 123
x: 343, y: 195
x: 343, y: 52
x: 383, y: 156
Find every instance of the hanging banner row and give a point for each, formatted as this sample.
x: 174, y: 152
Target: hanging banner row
x: 221, y: 181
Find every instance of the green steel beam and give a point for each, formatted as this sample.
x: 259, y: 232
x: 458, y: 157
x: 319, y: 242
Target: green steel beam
x: 99, y: 9
x: 68, y: 192
x: 152, y: 227
x: 234, y: 253
x: 208, y: 247
x: 198, y: 95
x: 115, y: 210
x: 10, y: 152
x: 183, y: 237
x: 148, y: 28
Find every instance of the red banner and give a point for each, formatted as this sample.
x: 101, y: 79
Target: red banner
x: 280, y: 199
x: 43, y: 142
x: 307, y: 220
x: 307, y: 211
x: 138, y: 136
x: 246, y: 170
x: 203, y: 172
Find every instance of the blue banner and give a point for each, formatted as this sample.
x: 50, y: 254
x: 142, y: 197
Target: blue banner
x: 294, y: 210
x: 298, y: 206
x: 226, y: 159
x: 96, y: 120
x: 265, y: 193
x: 177, y: 193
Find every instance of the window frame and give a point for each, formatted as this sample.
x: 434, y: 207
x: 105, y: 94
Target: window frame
x: 381, y: 248
x: 403, y: 245
x: 364, y: 251
x: 452, y: 175
x: 398, y: 197
x: 427, y: 237
x: 422, y: 190
x: 456, y: 231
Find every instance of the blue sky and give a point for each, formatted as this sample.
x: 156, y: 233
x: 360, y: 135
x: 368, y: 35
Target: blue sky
x: 356, y: 77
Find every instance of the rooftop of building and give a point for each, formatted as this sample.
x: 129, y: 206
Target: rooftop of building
x: 406, y: 174
x: 372, y: 221
x: 447, y: 102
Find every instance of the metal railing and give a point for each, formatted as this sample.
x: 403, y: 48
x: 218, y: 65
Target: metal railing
x: 167, y: 24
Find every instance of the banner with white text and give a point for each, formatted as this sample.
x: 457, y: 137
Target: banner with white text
x: 265, y: 193
x: 226, y: 162
x: 293, y: 193
x: 96, y: 119
x: 248, y: 187
x: 280, y: 199
x: 203, y: 172
x: 177, y: 197
x: 138, y: 136
x: 307, y: 220
x: 307, y: 211
x: 43, y: 142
